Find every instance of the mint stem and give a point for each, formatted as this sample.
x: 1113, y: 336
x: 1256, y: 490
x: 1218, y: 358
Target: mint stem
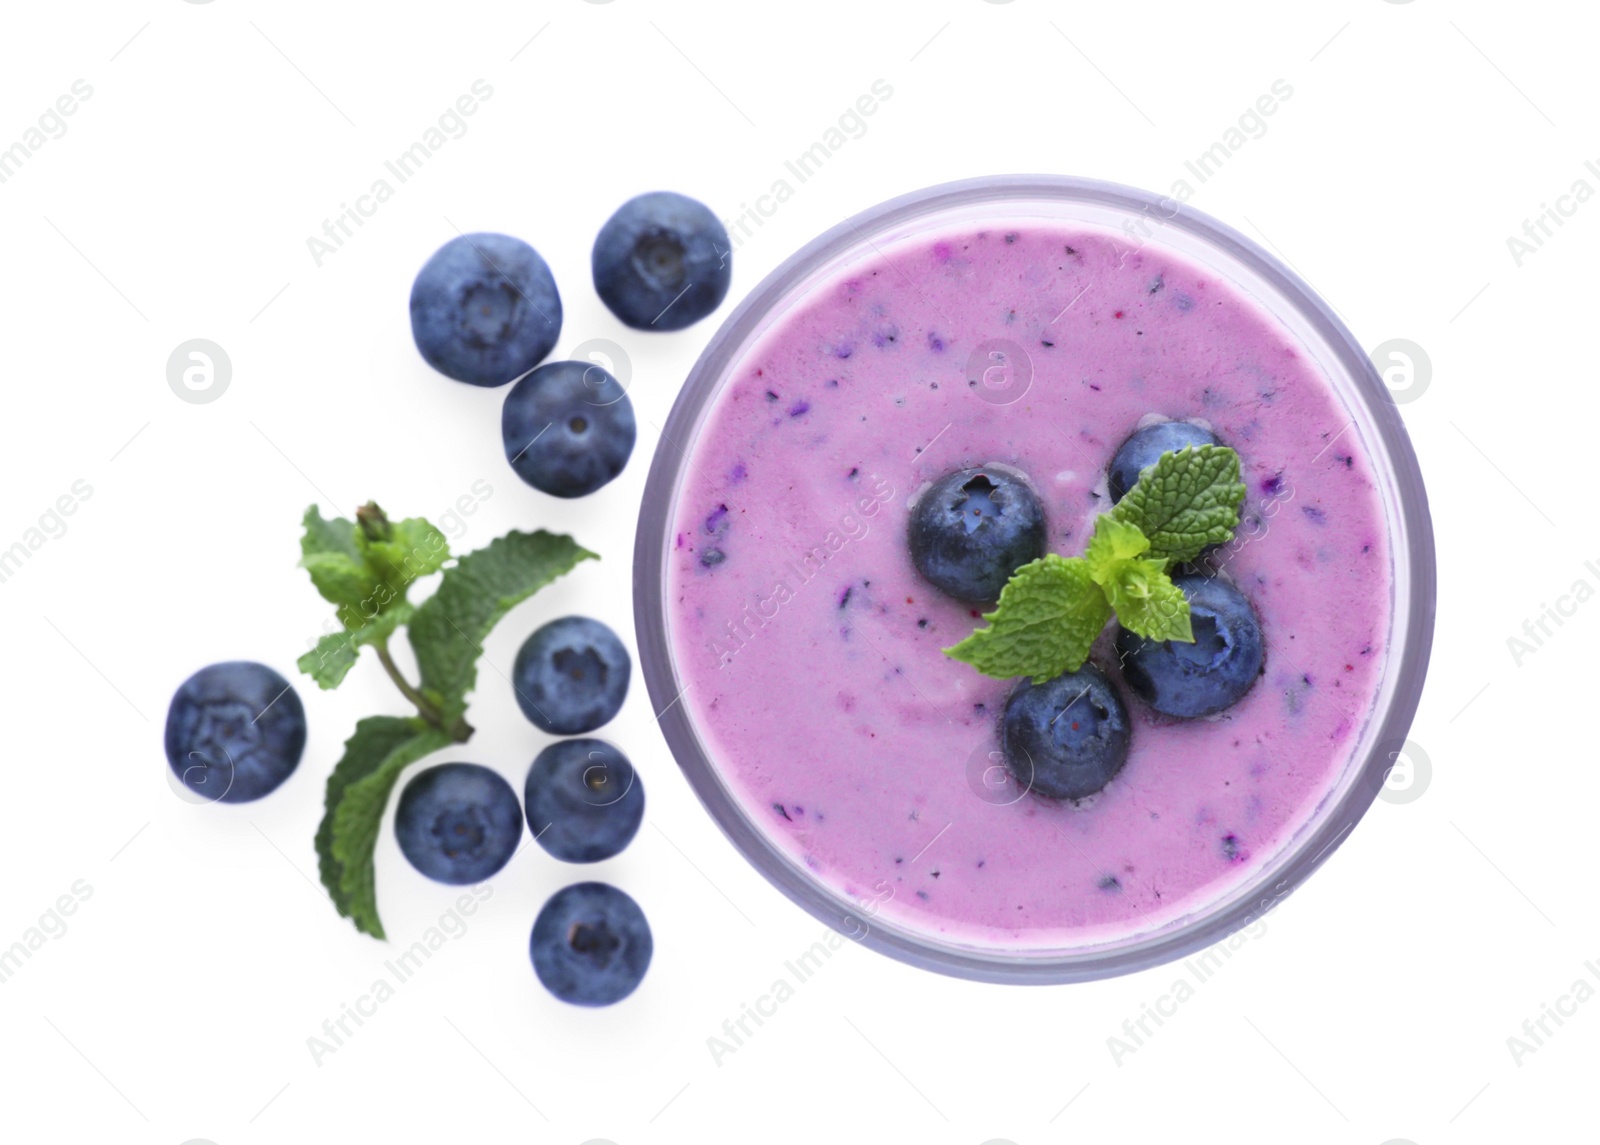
x: 460, y: 731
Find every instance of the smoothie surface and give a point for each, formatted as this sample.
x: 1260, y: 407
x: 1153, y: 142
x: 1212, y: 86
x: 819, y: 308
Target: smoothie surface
x: 811, y: 649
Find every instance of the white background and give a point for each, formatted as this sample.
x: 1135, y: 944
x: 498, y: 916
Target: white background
x: 177, y: 1005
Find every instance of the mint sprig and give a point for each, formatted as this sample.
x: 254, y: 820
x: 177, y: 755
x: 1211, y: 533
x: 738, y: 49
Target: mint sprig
x: 1185, y: 501
x: 1137, y: 587
x: 366, y: 568
x: 1048, y: 615
x: 1052, y: 609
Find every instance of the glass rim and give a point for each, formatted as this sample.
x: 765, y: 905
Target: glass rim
x: 1410, y: 636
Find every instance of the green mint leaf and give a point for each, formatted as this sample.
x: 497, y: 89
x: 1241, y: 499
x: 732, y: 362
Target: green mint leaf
x: 448, y: 629
x: 1139, y: 589
x: 339, y: 579
x: 367, y: 568
x: 328, y: 552
x: 335, y: 536
x: 413, y: 549
x: 330, y: 661
x: 1113, y: 543
x: 336, y: 653
x: 1185, y: 501
x: 1048, y: 616
x: 1147, y: 602
x: 358, y: 791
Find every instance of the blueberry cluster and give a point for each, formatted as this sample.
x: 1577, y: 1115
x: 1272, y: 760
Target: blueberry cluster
x: 461, y: 823
x: 485, y: 310
x: 1067, y: 738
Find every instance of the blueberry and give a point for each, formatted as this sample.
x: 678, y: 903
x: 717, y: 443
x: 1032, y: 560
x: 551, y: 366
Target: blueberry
x: 235, y: 731
x: 458, y: 823
x: 974, y: 528
x: 590, y: 944
x: 1068, y: 738
x: 571, y: 675
x: 584, y: 800
x: 484, y: 309
x: 662, y: 262
x: 1145, y: 447
x: 568, y: 428
x: 1209, y: 675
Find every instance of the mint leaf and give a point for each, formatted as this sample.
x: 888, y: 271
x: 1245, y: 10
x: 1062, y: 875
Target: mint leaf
x: 367, y: 568
x: 1114, y: 542
x: 448, y: 629
x: 331, y: 660
x: 336, y: 653
x: 1048, y: 616
x: 413, y: 548
x: 328, y: 552
x: 335, y: 536
x: 1139, y: 589
x: 1147, y: 602
x: 1185, y: 501
x: 358, y: 791
x: 339, y: 579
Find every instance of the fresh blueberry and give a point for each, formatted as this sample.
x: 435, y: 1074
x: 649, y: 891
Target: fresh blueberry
x: 1068, y: 738
x: 571, y: 676
x: 484, y: 309
x: 662, y: 262
x: 590, y: 944
x: 235, y: 731
x: 974, y: 528
x: 458, y: 823
x: 568, y: 428
x: 1209, y: 675
x: 584, y: 800
x: 1145, y: 447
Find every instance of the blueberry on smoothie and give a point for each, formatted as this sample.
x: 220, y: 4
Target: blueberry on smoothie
x: 458, y: 823
x: 973, y: 528
x: 1202, y: 678
x: 568, y: 428
x: 485, y: 310
x: 1068, y: 738
x: 590, y: 944
x: 1145, y: 447
x: 662, y: 262
x: 584, y: 801
x: 235, y: 731
x: 571, y: 676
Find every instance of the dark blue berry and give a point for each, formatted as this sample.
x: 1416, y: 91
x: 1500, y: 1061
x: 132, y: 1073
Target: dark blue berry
x: 583, y: 799
x: 458, y: 823
x: 235, y: 731
x: 590, y: 944
x: 571, y: 676
x: 1182, y: 679
x: 1067, y: 738
x: 662, y: 262
x: 1145, y: 447
x: 973, y: 528
x: 484, y: 309
x: 568, y: 428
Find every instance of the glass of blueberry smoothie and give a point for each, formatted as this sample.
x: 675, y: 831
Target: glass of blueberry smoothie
x: 997, y: 375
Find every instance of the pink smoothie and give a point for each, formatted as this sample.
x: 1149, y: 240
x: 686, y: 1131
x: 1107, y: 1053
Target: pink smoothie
x: 810, y: 646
